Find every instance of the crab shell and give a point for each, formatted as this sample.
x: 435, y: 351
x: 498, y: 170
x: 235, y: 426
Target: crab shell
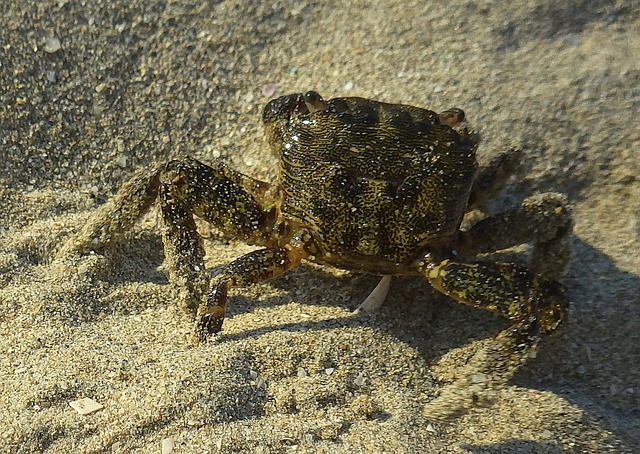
x: 379, y: 184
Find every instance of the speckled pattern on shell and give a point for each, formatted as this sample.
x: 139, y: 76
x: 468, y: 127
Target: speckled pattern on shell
x: 378, y: 181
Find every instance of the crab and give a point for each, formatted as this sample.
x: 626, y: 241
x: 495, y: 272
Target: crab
x: 366, y: 186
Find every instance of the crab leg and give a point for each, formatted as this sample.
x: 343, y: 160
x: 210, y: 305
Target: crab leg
x: 376, y: 297
x: 226, y: 199
x: 117, y: 215
x: 254, y: 267
x: 535, y: 303
x: 544, y: 218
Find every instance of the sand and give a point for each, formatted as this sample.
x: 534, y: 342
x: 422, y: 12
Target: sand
x: 92, y: 91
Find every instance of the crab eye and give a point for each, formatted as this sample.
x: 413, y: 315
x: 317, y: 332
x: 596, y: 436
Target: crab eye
x: 314, y: 101
x: 451, y: 117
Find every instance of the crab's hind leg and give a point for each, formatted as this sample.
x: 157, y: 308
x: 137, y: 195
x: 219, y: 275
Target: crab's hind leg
x: 535, y: 304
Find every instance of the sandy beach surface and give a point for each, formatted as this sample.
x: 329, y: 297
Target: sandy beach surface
x: 92, y: 91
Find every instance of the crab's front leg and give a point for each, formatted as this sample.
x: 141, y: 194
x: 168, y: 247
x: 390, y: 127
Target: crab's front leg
x: 224, y: 198
x: 252, y: 268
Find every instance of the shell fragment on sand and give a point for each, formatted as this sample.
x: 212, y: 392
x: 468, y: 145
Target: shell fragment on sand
x: 86, y: 406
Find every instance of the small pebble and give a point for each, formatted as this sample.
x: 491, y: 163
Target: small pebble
x: 167, y: 445
x: 261, y: 383
x: 52, y: 45
x: 479, y: 378
x: 269, y: 89
x: 359, y: 380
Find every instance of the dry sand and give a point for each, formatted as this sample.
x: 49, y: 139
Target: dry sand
x: 90, y: 91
